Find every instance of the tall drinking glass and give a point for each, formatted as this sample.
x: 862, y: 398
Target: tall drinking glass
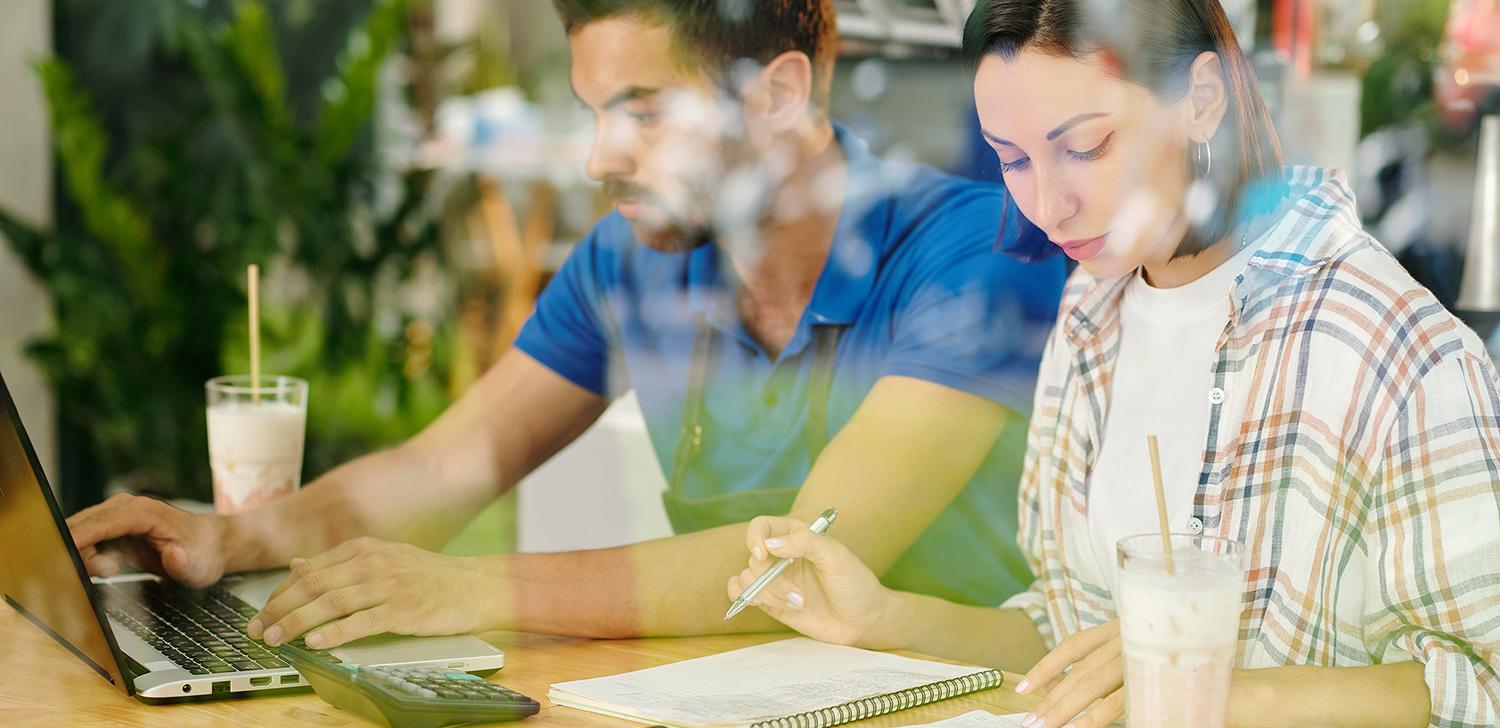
x: 1179, y: 628
x: 255, y: 439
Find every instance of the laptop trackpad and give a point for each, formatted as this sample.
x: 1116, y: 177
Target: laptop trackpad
x: 389, y: 649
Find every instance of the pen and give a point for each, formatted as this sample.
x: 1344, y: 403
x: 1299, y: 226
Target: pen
x: 818, y: 526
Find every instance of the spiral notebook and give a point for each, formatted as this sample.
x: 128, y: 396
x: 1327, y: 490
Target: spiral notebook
x: 795, y: 683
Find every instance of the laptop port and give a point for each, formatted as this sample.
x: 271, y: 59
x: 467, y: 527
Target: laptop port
x: 289, y: 679
x: 259, y: 681
x: 221, y: 687
x: 187, y: 688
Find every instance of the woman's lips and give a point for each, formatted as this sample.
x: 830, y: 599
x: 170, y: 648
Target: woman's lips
x: 1082, y: 250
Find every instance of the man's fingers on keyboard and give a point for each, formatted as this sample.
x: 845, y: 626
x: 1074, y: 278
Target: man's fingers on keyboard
x: 326, y: 608
x: 122, y: 515
x: 298, y: 591
x: 372, y: 621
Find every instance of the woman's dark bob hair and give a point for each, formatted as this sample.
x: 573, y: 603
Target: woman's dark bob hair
x: 1152, y: 43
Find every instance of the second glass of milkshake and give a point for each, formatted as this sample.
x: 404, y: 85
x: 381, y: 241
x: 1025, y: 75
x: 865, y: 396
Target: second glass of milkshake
x: 1179, y: 628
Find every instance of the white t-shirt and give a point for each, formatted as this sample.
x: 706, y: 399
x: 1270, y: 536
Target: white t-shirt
x: 1163, y: 385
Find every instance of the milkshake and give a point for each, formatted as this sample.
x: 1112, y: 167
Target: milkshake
x: 255, y: 439
x: 1179, y: 630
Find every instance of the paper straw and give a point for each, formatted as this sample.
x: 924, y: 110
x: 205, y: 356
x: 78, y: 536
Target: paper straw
x: 1161, y: 502
x: 254, y: 273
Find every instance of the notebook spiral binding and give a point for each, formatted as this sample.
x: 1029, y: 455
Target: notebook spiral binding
x: 889, y: 703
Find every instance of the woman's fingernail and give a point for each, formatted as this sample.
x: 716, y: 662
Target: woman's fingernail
x: 297, y: 560
x: 314, y: 640
x: 758, y: 552
x: 1021, y: 686
x: 254, y: 627
x: 774, y: 543
x: 794, y: 600
x: 273, y: 635
x: 1029, y: 720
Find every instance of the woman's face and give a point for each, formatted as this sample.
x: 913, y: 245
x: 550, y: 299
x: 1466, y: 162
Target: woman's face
x: 1098, y: 163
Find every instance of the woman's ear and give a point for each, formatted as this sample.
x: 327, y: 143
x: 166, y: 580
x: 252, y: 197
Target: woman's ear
x: 1208, y: 97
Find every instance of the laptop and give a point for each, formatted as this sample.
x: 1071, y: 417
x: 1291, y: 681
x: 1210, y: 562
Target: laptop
x: 158, y: 641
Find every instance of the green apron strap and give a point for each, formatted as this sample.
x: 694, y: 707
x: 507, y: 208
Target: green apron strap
x: 695, y: 514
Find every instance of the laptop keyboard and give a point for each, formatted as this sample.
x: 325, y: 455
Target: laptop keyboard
x: 201, y: 630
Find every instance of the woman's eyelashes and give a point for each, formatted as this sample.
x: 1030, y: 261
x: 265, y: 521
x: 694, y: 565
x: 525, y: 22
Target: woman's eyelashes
x: 1007, y: 167
x: 1084, y: 156
x: 1095, y: 153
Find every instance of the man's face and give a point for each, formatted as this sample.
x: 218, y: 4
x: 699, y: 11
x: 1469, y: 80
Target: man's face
x: 666, y: 137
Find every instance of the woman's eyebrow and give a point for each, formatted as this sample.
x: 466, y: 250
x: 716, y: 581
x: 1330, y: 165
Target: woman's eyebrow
x: 995, y: 139
x: 1070, y: 123
x: 1055, y: 133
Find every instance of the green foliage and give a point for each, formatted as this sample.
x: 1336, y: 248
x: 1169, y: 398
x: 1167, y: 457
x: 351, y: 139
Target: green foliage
x: 186, y: 151
x: 1397, y: 88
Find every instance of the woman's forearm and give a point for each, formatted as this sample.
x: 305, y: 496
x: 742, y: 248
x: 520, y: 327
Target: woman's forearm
x: 1375, y: 696
x: 1004, y: 638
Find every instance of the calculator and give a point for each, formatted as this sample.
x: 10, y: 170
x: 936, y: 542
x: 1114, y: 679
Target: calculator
x: 407, y: 697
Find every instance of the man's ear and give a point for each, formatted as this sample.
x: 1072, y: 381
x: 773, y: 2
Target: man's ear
x: 781, y: 93
x: 1208, y: 97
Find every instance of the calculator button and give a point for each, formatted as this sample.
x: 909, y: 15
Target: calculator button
x: 462, y: 676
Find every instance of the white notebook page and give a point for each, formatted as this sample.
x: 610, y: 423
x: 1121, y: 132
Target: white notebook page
x: 766, y: 681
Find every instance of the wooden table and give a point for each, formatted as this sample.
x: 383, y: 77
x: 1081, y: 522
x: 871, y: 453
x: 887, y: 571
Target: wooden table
x: 42, y: 684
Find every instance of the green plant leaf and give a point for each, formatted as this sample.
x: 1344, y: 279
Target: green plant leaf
x: 107, y: 213
x: 253, y: 46
x: 350, y: 95
x: 37, y: 249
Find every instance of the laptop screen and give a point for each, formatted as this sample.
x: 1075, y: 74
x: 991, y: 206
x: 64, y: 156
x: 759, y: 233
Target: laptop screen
x: 41, y: 574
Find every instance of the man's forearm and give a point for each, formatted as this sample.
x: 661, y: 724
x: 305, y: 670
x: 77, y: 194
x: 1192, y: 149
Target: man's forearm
x: 396, y: 495
x: 516, y: 416
x: 1375, y: 696
x: 671, y: 586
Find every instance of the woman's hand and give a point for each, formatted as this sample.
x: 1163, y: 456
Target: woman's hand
x: 1097, y: 673
x: 827, y: 593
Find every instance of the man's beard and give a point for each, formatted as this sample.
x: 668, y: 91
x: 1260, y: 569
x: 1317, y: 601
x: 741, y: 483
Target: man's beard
x: 704, y: 213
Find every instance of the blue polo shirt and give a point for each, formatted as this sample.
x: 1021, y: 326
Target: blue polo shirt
x: 914, y: 283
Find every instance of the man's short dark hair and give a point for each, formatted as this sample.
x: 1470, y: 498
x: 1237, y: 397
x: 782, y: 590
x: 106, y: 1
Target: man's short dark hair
x: 720, y: 32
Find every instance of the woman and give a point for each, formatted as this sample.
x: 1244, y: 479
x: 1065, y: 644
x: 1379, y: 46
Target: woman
x: 1312, y: 401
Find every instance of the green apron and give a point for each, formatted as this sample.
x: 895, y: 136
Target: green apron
x: 688, y: 513
x: 967, y: 555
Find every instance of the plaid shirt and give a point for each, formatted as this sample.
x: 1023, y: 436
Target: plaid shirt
x: 1353, y: 447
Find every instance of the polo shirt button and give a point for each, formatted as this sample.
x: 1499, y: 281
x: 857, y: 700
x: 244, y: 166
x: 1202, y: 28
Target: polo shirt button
x: 1216, y: 395
x: 1195, y: 525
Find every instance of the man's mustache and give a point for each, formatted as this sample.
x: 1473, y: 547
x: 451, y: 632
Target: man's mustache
x: 619, y: 189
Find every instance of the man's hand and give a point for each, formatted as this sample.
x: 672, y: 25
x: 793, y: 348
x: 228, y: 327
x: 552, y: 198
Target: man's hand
x: 1098, y: 673
x: 367, y: 586
x: 151, y: 535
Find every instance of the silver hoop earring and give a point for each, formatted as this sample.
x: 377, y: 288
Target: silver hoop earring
x: 1203, y: 159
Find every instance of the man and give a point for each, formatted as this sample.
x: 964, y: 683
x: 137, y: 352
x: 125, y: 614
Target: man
x: 805, y: 327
